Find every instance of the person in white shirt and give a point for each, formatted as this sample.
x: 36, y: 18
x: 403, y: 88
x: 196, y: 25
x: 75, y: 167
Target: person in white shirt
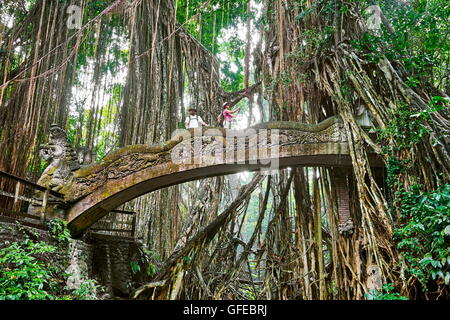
x: 193, y: 120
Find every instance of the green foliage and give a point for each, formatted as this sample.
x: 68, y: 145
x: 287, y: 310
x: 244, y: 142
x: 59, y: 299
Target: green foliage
x: 87, y: 291
x: 135, y: 267
x: 149, y: 260
x: 23, y: 275
x: 217, y: 25
x: 386, y: 294
x: 31, y: 270
x: 370, y: 46
x: 232, y: 65
x: 71, y: 130
x: 28, y: 272
x: 319, y: 7
x: 407, y: 129
x: 151, y: 270
x: 57, y: 229
x: 407, y: 126
x: 225, y: 14
x: 394, y: 168
x: 422, y: 235
x: 107, y: 137
x: 423, y: 238
x: 315, y: 42
x: 419, y: 42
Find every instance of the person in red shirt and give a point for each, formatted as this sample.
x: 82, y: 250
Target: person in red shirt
x: 228, y: 115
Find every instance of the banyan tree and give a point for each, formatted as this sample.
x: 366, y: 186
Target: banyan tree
x: 119, y: 73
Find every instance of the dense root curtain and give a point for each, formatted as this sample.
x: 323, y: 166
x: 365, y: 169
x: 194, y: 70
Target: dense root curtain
x: 314, y: 69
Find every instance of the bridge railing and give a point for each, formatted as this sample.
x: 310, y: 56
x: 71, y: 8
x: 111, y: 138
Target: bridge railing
x: 120, y: 223
x: 12, y: 210
x: 22, y: 217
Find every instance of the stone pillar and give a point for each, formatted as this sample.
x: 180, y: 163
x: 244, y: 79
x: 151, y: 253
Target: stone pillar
x: 80, y: 254
x: 341, y: 182
x: 111, y: 262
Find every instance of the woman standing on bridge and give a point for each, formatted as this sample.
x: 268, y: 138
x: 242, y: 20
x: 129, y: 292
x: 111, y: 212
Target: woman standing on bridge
x: 228, y: 115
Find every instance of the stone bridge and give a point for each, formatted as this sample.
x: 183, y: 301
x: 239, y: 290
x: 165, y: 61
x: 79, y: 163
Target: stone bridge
x: 93, y: 190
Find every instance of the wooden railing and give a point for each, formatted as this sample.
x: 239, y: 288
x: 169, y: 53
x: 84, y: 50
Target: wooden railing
x: 31, y: 184
x: 15, y: 214
x: 109, y: 222
x: 8, y: 215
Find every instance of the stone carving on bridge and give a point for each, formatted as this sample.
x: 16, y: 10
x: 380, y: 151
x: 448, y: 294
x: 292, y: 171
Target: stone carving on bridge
x: 200, y: 145
x: 333, y: 133
x: 91, y: 191
x: 262, y: 135
x: 61, y: 157
x: 70, y: 173
x: 63, y: 160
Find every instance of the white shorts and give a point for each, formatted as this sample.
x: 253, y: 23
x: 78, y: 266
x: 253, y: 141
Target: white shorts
x: 227, y: 124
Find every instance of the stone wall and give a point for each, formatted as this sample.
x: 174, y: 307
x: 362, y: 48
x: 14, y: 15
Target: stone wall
x: 103, y: 258
x: 112, y: 259
x: 80, y: 263
x: 10, y: 232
